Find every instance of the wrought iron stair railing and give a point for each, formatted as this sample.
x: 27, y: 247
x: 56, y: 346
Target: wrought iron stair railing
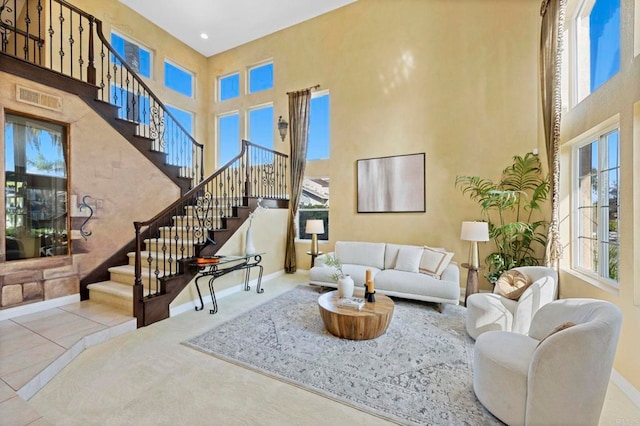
x: 188, y: 227
x: 55, y: 35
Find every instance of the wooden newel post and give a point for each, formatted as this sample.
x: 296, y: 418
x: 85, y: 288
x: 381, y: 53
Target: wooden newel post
x: 91, y: 67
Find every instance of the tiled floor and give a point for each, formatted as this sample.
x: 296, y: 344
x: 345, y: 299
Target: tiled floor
x: 103, y: 385
x: 35, y: 347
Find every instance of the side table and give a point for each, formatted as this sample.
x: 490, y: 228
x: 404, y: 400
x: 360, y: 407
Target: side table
x: 472, y: 280
x: 313, y: 257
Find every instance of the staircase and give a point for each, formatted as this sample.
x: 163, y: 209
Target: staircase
x: 55, y: 43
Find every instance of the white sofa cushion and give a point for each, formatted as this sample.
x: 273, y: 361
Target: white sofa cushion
x: 434, y: 261
x: 360, y: 253
x: 409, y: 259
x: 406, y: 283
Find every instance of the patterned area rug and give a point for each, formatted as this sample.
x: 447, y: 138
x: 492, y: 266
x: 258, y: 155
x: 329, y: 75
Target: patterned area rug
x: 418, y: 372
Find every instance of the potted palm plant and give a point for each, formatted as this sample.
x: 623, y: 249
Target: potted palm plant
x: 512, y: 207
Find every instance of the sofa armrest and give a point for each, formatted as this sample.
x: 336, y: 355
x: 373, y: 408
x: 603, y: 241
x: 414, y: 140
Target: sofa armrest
x: 451, y: 273
x: 320, y: 260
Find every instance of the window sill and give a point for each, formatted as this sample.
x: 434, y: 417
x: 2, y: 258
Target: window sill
x: 600, y: 283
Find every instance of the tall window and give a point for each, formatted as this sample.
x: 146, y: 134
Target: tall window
x: 133, y: 106
x: 261, y: 126
x: 35, y: 160
x: 261, y: 78
x: 137, y: 57
x: 314, y: 204
x: 597, y: 237
x: 598, y: 44
x: 185, y: 118
x: 318, y: 148
x: 178, y: 79
x: 228, y: 137
x: 229, y: 87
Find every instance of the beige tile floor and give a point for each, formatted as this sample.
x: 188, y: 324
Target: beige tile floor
x: 36, y: 347
x: 147, y: 377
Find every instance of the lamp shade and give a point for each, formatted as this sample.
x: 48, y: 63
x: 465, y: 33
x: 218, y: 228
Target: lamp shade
x: 474, y: 231
x: 314, y: 226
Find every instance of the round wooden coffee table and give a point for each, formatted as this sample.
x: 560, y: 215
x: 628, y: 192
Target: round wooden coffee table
x: 370, y: 322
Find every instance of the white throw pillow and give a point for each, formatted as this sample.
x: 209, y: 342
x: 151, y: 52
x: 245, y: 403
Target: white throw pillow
x: 408, y: 259
x: 434, y: 261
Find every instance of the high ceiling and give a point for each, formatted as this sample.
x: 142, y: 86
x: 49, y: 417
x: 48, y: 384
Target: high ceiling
x: 228, y: 23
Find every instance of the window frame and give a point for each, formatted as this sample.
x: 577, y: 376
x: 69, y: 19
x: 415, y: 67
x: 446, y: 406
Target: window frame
x: 247, y: 121
x: 256, y: 66
x: 186, y: 71
x: 218, y: 141
x: 327, y: 209
x: 140, y: 46
x: 315, y: 95
x: 599, y: 135
x: 66, y: 140
x: 219, y: 86
x: 576, y: 40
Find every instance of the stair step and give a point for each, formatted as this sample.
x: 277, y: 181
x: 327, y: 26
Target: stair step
x: 113, y: 294
x: 126, y: 275
x: 193, y: 221
x: 171, y: 247
x: 183, y: 233
x: 144, y: 255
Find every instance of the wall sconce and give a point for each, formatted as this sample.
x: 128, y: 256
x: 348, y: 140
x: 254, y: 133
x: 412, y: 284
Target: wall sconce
x: 282, y: 128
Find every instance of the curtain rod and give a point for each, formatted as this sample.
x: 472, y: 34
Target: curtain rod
x: 316, y: 87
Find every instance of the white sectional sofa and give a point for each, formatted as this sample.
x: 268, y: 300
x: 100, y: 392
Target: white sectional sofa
x: 395, y: 270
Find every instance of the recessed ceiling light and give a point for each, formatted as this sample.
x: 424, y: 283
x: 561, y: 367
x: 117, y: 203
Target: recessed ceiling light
x: 204, y: 36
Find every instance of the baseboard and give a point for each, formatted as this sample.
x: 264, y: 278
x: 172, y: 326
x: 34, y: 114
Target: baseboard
x: 189, y: 306
x: 627, y: 388
x: 32, y: 308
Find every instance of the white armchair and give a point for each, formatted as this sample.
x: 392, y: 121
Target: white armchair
x: 558, y: 380
x: 492, y: 312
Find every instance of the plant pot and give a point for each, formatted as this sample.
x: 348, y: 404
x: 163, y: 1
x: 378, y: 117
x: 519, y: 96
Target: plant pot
x: 345, y: 286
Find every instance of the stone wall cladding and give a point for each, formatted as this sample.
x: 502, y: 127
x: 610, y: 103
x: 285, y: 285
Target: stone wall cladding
x: 11, y: 295
x: 61, y: 287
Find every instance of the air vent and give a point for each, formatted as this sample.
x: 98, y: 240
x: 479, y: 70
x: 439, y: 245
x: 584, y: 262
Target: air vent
x: 43, y: 100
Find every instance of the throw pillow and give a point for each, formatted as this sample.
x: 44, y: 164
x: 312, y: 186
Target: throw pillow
x: 408, y: 258
x: 434, y: 261
x: 561, y: 327
x: 512, y: 284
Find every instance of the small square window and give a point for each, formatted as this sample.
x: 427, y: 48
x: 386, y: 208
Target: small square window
x: 178, y: 79
x: 261, y: 78
x: 229, y: 87
x: 136, y: 56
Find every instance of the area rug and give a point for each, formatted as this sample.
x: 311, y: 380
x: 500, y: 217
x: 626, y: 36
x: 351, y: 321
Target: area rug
x: 418, y: 372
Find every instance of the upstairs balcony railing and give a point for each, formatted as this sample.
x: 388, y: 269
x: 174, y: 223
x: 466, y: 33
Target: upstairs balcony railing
x: 181, y: 230
x: 58, y: 36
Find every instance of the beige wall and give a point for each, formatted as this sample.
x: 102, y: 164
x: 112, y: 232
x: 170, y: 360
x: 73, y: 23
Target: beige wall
x: 456, y: 80
x: 620, y: 97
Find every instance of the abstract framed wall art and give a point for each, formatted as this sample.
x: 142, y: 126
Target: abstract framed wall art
x: 391, y: 184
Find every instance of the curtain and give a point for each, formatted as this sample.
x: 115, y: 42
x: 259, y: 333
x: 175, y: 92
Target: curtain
x: 299, y: 104
x: 553, y: 13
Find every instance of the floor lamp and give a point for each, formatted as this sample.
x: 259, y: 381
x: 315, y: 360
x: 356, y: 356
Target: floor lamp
x: 473, y: 232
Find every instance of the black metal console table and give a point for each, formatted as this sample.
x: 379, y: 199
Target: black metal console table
x: 225, y: 265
